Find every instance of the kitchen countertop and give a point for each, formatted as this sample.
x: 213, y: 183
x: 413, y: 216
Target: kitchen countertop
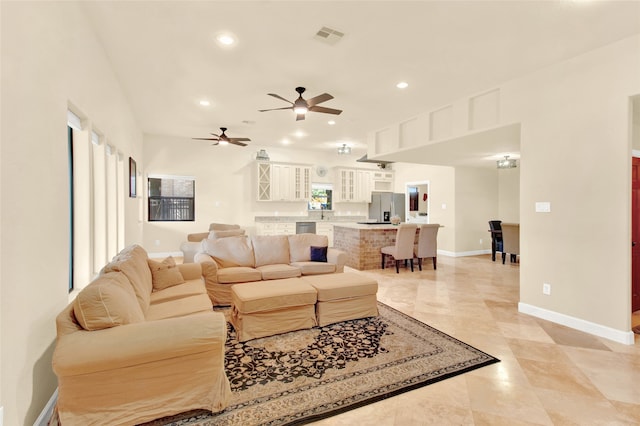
x: 328, y: 219
x: 354, y: 225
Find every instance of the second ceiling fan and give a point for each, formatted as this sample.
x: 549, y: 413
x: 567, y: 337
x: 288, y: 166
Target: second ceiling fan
x: 302, y: 106
x: 224, y: 139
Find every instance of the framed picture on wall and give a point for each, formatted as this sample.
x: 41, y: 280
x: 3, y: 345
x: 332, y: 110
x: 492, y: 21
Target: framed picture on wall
x: 132, y: 177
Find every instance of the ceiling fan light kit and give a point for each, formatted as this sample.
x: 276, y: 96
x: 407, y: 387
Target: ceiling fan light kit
x: 301, y: 106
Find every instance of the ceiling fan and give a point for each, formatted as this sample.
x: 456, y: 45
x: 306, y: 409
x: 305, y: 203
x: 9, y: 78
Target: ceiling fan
x: 301, y: 106
x: 224, y: 139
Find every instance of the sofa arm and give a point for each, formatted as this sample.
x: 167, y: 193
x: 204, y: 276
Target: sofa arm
x: 337, y: 257
x: 209, y: 267
x: 209, y: 273
x: 86, y: 352
x: 189, y: 249
x: 190, y: 271
x: 197, y: 237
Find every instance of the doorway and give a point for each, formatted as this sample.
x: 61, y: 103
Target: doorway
x: 635, y: 234
x: 417, y: 202
x: 635, y: 214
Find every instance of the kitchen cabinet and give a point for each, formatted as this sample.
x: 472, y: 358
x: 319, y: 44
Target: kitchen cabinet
x: 382, y: 181
x: 275, y: 228
x: 325, y: 228
x: 264, y: 181
x: 301, y: 183
x: 353, y: 185
x: 283, y: 182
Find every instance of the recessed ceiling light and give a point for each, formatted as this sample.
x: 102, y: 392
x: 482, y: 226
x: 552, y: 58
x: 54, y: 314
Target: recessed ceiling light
x: 226, y: 39
x: 285, y: 141
x: 331, y: 122
x: 205, y: 102
x: 402, y: 85
x: 299, y: 133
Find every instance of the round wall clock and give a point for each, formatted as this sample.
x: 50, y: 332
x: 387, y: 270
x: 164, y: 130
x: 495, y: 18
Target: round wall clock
x: 321, y: 171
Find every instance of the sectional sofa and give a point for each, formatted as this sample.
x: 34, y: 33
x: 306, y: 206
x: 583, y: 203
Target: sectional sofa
x: 236, y: 260
x: 138, y: 343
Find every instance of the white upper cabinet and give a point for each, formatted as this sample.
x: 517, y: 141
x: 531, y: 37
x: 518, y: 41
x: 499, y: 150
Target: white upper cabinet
x: 283, y: 182
x: 354, y: 185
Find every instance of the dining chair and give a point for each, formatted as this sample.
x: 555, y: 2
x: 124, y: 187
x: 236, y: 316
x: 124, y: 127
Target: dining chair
x: 427, y: 246
x: 510, y: 240
x: 403, y: 249
x: 496, y: 237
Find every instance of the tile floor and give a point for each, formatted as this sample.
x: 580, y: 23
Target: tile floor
x: 549, y: 374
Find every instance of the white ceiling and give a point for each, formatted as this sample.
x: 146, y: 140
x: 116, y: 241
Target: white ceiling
x: 167, y: 60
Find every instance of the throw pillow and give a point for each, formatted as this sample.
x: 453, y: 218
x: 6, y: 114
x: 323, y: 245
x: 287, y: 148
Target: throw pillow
x: 318, y: 254
x: 164, y: 274
x: 108, y: 301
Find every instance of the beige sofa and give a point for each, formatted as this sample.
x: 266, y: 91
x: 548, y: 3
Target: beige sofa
x: 140, y: 342
x: 216, y: 230
x: 235, y: 260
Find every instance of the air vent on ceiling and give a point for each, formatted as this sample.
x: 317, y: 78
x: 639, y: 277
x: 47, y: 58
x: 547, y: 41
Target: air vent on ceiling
x: 329, y: 35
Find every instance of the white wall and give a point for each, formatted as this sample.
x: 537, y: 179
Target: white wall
x: 476, y: 193
x: 50, y: 57
x: 441, y: 196
x: 575, y: 144
x: 509, y: 194
x: 575, y: 151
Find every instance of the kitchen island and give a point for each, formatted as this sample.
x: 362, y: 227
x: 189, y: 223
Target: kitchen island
x: 362, y: 243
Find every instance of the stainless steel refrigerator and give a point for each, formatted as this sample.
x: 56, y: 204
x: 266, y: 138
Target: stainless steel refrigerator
x: 386, y: 204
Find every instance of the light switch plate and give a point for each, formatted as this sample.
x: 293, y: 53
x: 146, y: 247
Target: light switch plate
x: 543, y: 207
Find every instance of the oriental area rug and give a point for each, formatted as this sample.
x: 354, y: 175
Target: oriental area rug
x: 303, y: 376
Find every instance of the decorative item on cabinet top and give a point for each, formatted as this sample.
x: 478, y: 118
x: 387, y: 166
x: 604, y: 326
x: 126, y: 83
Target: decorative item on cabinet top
x: 283, y: 181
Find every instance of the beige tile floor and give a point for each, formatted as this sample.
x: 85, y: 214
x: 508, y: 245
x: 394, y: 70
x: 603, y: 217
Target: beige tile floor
x: 549, y: 374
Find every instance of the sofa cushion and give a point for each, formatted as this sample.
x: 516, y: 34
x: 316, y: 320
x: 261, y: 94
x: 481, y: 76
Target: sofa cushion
x: 230, y: 251
x: 106, y: 302
x: 270, y: 249
x: 188, y: 288
x: 132, y: 261
x: 164, y: 274
x: 312, y: 268
x: 278, y: 271
x: 318, y: 254
x: 179, y: 307
x: 300, y: 246
x: 277, y: 294
x: 342, y: 286
x: 225, y: 233
x: 238, y: 274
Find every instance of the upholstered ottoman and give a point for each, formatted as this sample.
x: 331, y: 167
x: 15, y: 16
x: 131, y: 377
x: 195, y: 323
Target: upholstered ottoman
x: 343, y: 297
x: 265, y: 308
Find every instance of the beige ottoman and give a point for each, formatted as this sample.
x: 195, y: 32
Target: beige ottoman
x: 343, y: 297
x: 265, y: 308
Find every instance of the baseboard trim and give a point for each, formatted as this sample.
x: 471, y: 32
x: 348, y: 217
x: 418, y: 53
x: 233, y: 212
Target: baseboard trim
x: 624, y: 337
x: 463, y: 253
x: 47, y: 412
x: 162, y: 255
